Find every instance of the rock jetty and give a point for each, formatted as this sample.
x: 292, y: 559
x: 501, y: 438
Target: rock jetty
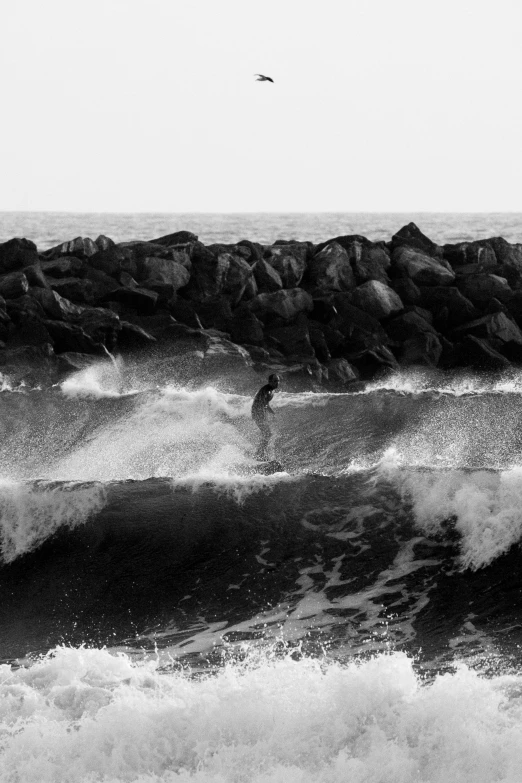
x: 341, y: 311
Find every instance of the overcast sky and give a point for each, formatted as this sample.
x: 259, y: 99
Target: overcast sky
x: 152, y: 105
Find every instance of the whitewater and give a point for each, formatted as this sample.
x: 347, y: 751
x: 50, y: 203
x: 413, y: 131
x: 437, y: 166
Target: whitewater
x: 355, y: 617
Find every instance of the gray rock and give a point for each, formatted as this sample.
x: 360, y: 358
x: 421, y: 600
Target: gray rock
x: 267, y: 277
x: 330, y: 269
x: 495, y: 326
x: 285, y: 304
x: 13, y: 285
x: 377, y: 299
x: 341, y: 371
x: 408, y: 325
x: 460, y: 309
x: 17, y: 254
x: 289, y: 261
x: 421, y: 268
x: 479, y: 289
x: 424, y: 349
x: 164, y: 270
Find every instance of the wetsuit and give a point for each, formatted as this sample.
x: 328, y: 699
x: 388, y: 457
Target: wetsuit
x: 260, y: 410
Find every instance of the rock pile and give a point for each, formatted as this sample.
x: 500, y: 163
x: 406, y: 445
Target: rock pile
x: 345, y: 309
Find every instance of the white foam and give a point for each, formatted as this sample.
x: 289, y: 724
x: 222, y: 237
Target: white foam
x: 101, y: 379
x: 424, y: 381
x: 31, y: 513
x: 486, y: 506
x: 86, y: 715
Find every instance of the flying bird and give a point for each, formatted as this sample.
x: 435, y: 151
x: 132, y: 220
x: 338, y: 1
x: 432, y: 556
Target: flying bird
x: 263, y: 78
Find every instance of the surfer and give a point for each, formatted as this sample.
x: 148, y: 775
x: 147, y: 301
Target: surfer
x: 260, y: 410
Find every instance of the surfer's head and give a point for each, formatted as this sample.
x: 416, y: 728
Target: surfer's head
x: 274, y: 380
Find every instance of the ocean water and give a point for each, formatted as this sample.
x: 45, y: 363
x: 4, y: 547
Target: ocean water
x: 167, y: 614
x: 48, y: 229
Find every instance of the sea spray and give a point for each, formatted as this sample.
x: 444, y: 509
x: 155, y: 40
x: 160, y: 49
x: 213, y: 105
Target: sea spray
x: 85, y: 715
x: 32, y: 512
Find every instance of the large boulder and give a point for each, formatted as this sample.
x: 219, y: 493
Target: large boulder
x: 292, y: 340
x: 69, y: 337
x: 423, y: 349
x: 177, y: 238
x: 478, y: 353
x: 495, y: 326
x: 289, y: 260
x: 360, y: 330
x: 244, y: 327
x: 370, y: 261
x: 76, y: 289
x: 459, y: 308
x: 100, y: 324
x: 470, y: 256
x: 133, y: 337
x: 82, y: 247
x: 17, y: 254
x: 509, y: 259
x: 56, y: 306
x: 480, y: 289
x: 64, y: 266
x: 408, y: 325
x: 217, y: 274
x: 141, y: 300
x: 330, y: 269
x: 377, y: 299
x: 341, y: 371
x: 164, y: 270
x: 423, y: 269
x: 13, y: 285
x: 411, y: 236
x: 286, y: 304
x: 268, y: 279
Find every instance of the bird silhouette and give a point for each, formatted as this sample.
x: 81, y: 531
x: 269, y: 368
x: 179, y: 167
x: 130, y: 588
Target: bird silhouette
x: 263, y: 78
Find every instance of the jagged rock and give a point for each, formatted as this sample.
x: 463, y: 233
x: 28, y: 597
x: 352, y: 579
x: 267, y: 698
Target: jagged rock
x: 408, y: 325
x: 370, y: 262
x: 285, y: 304
x: 64, y: 266
x: 72, y: 361
x: 177, y: 238
x: 17, y: 254
x: 139, y: 299
x: 509, y: 259
x: 251, y: 290
x: 373, y: 361
x: 184, y: 312
x: 30, y: 330
x: 267, y: 278
x: 101, y: 286
x: 13, y: 285
x: 377, y: 299
x: 132, y: 336
x: 423, y: 269
x: 410, y: 236
x: 5, y: 325
x: 69, y: 337
x: 100, y: 324
x: 164, y: 270
x: 35, y: 276
x: 22, y: 308
x: 139, y: 249
x: 293, y: 340
x: 289, y: 260
x: 496, y: 326
x: 54, y: 305
x: 114, y: 260
x: 460, y: 309
x: 478, y: 353
x: 424, y: 349
x: 244, y: 327
x: 213, y: 275
x: 76, y: 289
x: 408, y: 292
x: 256, y: 250
x: 104, y: 243
x: 82, y: 247
x: 479, y: 289
x: 182, y: 255
x: 330, y: 269
x: 341, y: 371
x: 421, y: 311
x: 214, y: 313
x: 165, y: 291
x: 361, y: 331
x: 319, y: 341
x: 468, y: 257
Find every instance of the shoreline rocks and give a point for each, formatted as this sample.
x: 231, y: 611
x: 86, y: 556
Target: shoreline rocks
x: 341, y: 311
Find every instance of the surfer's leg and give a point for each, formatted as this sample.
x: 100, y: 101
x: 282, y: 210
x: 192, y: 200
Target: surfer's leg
x: 262, y: 449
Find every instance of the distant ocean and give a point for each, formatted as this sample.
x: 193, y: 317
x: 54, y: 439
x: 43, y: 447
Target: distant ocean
x: 355, y: 618
x: 47, y: 229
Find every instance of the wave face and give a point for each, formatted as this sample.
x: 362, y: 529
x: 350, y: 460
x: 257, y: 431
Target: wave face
x: 169, y: 614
